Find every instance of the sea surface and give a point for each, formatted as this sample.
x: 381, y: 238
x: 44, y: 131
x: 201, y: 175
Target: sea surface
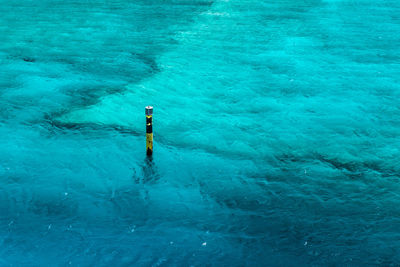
x: 276, y: 133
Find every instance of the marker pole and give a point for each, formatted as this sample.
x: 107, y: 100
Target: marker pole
x: 149, y: 130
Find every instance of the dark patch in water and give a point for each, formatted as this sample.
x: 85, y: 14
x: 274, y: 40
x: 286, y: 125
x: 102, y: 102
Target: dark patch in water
x: 28, y: 59
x: 353, y: 169
x: 348, y: 166
x: 150, y: 173
x: 83, y: 95
x: 148, y: 60
x: 54, y: 125
x: 61, y: 208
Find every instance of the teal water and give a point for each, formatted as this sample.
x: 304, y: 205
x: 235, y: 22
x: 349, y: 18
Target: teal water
x: 276, y: 128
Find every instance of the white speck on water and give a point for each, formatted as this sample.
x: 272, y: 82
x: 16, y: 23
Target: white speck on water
x: 204, y: 244
x: 66, y: 193
x: 171, y: 243
x: 133, y: 228
x: 305, y: 243
x: 49, y: 227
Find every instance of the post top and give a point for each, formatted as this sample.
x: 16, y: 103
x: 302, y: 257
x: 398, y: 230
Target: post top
x: 149, y: 110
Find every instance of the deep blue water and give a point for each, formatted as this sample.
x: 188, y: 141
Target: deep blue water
x: 276, y: 127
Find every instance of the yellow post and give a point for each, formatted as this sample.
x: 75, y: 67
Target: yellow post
x: 149, y: 130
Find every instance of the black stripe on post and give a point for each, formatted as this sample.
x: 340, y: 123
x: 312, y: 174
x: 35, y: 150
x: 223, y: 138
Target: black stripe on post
x: 149, y: 124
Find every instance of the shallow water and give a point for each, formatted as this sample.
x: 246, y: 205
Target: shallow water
x: 276, y: 133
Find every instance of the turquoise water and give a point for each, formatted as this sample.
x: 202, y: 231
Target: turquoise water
x: 276, y: 128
